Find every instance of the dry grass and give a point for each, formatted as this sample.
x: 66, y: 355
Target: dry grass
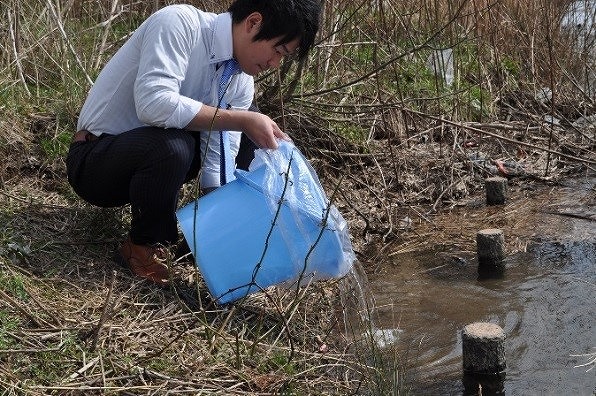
x: 398, y: 142
x: 82, y: 324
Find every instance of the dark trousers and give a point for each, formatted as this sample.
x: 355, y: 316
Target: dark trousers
x: 145, y: 168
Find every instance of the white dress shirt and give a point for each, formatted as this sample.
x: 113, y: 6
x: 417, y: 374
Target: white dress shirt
x: 163, y: 75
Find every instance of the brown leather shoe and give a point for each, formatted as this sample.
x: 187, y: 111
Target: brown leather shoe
x: 146, y: 261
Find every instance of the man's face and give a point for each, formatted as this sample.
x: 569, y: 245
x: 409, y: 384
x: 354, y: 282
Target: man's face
x: 262, y: 55
x: 256, y: 56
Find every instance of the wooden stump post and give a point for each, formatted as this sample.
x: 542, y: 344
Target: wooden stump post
x: 479, y: 384
x: 496, y: 190
x: 483, y: 347
x: 490, y: 250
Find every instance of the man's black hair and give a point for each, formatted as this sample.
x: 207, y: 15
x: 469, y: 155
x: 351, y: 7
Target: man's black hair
x: 288, y: 19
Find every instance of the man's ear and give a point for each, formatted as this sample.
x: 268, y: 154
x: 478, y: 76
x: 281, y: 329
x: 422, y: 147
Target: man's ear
x: 253, y: 23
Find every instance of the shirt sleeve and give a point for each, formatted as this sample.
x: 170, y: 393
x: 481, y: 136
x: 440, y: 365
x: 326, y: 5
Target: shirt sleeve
x: 166, y: 46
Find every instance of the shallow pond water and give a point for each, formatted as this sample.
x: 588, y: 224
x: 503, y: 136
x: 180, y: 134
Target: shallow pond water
x: 545, y: 300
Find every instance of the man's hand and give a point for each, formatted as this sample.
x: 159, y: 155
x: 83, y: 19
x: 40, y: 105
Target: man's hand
x: 261, y: 129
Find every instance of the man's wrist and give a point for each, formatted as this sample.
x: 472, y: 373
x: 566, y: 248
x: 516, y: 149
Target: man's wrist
x: 213, y: 119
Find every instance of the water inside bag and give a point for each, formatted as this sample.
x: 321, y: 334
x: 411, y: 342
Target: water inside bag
x: 273, y: 225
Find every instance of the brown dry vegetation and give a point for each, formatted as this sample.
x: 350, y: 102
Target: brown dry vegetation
x: 379, y: 127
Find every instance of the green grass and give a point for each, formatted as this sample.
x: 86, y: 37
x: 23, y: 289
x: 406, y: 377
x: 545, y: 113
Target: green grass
x: 8, y: 324
x: 279, y: 362
x: 50, y: 364
x: 352, y: 131
x: 57, y: 147
x: 13, y: 284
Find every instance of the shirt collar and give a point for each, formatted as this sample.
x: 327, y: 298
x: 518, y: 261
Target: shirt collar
x: 221, y: 42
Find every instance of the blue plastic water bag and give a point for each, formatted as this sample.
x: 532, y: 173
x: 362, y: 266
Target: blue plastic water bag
x: 273, y: 225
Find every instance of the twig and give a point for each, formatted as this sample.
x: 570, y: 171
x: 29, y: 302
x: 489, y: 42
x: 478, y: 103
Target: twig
x: 425, y: 45
x: 104, y: 37
x: 38, y: 321
x: 67, y: 41
x: 86, y: 367
x: 221, y: 328
x: 573, y: 215
x: 434, y: 206
x: 32, y: 350
x: 358, y: 212
x: 503, y: 138
x: 14, y: 36
x: 106, y: 310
